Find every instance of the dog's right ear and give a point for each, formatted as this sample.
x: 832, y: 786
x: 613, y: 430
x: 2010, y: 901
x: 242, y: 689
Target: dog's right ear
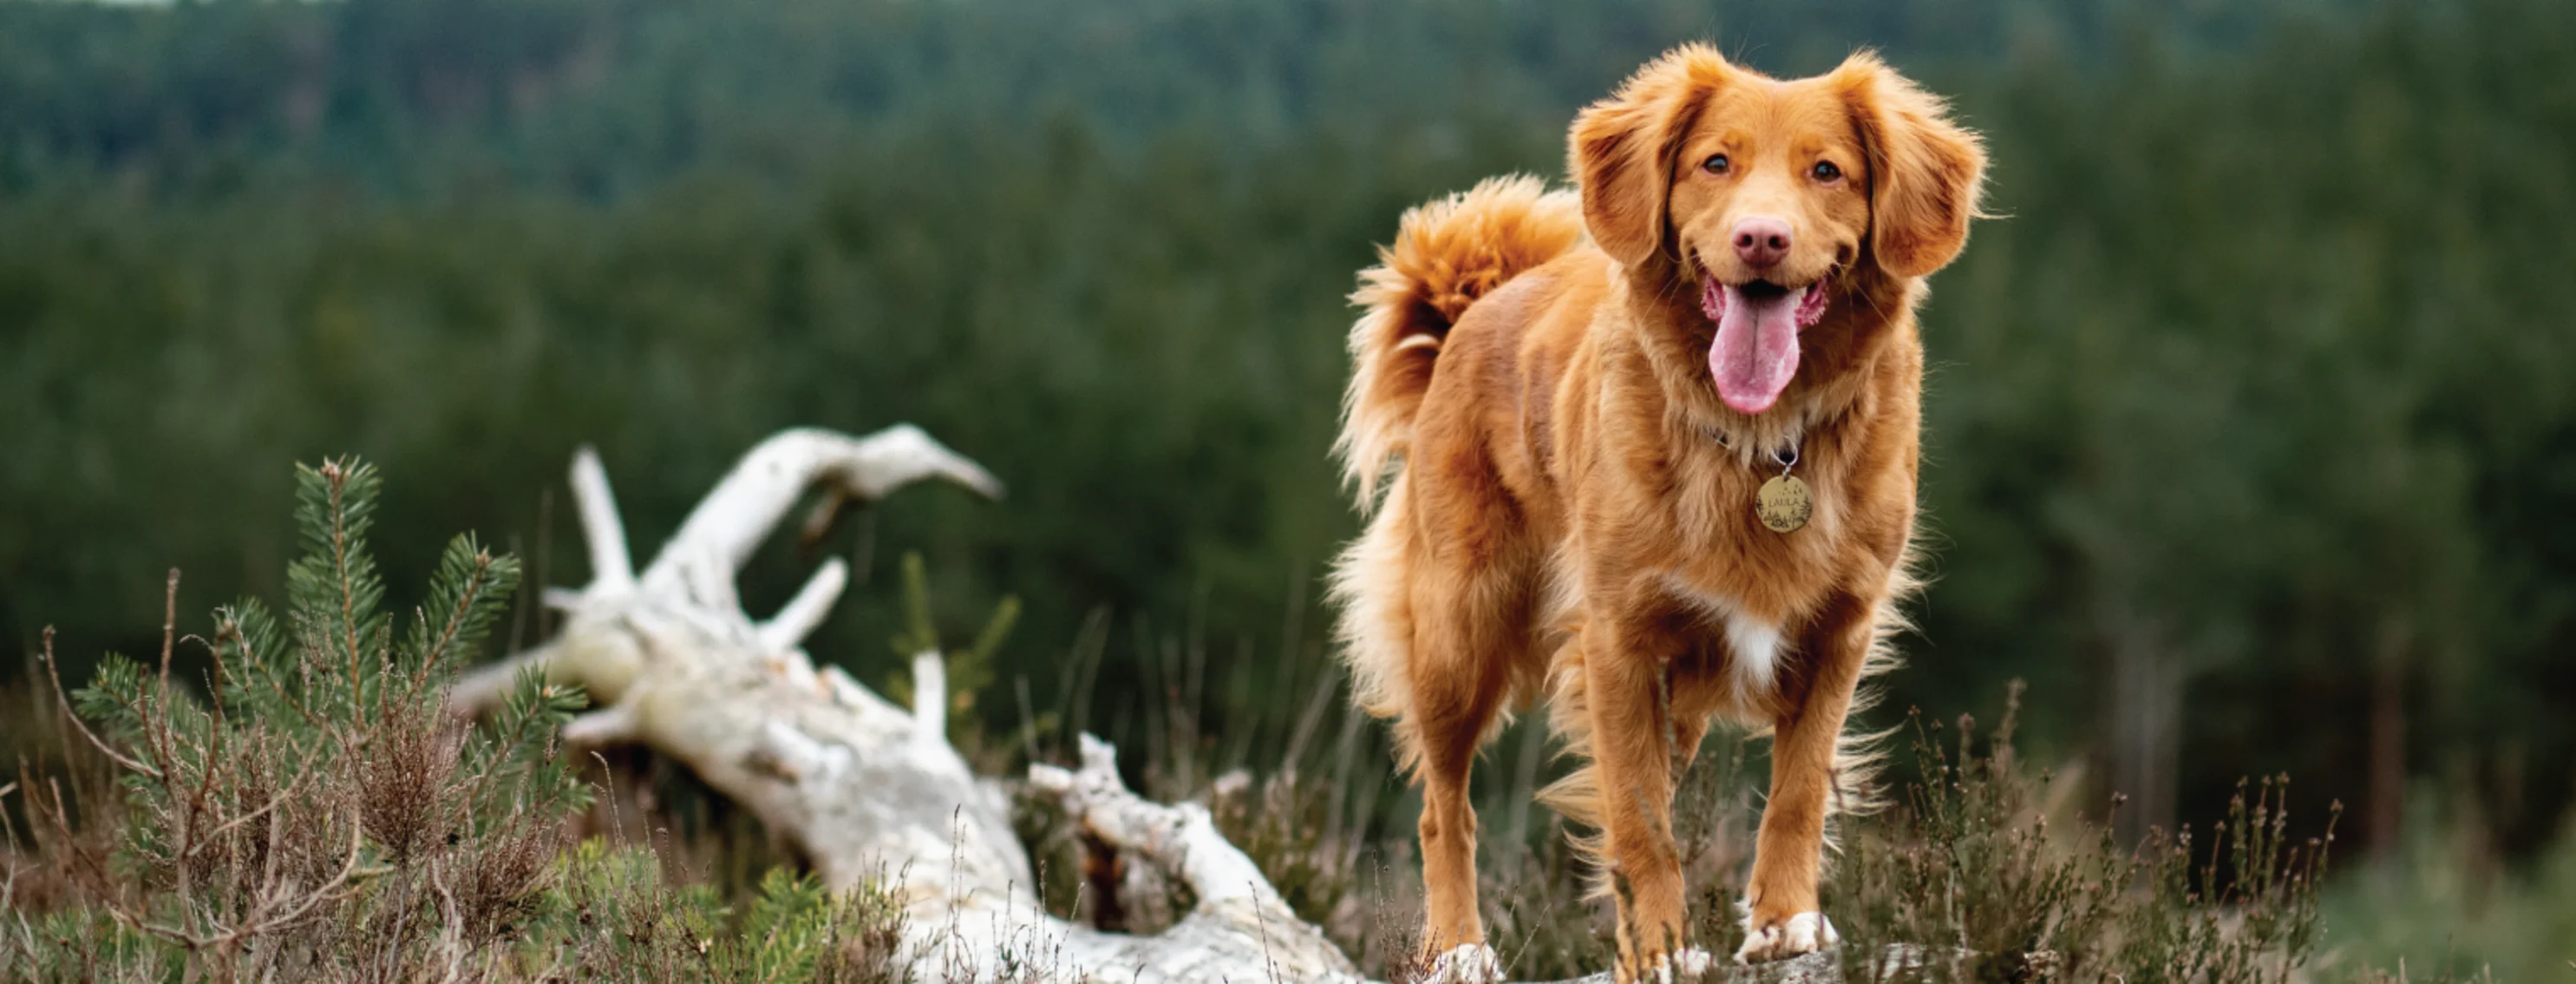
x: 1622, y: 149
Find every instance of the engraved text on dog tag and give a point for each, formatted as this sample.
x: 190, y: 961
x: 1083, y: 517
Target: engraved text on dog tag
x: 1785, y: 504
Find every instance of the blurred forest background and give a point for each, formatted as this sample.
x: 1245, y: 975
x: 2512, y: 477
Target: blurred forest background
x: 2252, y: 428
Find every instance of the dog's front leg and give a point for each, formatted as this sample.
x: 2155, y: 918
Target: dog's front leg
x: 1782, y: 914
x: 1628, y: 698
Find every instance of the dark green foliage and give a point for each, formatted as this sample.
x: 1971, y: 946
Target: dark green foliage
x: 971, y: 671
x: 2262, y: 366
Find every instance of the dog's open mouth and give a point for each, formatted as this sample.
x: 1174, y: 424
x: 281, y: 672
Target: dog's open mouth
x: 1756, y: 352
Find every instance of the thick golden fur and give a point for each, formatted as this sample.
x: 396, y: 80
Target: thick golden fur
x: 1562, y: 506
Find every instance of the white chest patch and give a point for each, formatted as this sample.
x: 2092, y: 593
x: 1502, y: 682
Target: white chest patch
x: 1753, y: 644
x: 1756, y: 654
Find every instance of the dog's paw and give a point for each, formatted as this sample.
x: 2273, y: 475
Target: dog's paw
x: 1681, y: 966
x: 1806, y: 932
x: 1474, y: 963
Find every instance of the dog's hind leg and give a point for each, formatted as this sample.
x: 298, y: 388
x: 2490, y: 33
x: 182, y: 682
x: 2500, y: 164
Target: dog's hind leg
x: 1471, y: 625
x: 1421, y: 648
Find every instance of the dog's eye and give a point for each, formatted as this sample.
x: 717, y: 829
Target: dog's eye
x: 1826, y: 171
x: 1715, y: 164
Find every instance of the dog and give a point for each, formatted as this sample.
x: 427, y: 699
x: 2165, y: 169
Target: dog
x: 1578, y: 423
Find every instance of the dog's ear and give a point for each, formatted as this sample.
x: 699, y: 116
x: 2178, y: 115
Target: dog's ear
x: 1926, y: 173
x: 1622, y: 148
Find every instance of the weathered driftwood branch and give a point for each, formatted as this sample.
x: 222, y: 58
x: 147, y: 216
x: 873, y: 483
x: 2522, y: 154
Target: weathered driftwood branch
x: 866, y: 789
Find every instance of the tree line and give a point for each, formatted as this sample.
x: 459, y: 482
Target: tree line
x: 2250, y: 438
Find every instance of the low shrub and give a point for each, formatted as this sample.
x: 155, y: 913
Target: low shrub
x: 312, y: 810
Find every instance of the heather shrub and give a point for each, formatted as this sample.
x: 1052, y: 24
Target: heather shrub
x: 1982, y: 872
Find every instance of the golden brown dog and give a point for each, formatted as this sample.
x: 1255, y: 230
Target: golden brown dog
x: 1572, y: 439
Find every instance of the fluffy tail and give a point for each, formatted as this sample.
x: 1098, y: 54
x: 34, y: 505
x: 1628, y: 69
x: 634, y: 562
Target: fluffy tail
x: 1446, y: 254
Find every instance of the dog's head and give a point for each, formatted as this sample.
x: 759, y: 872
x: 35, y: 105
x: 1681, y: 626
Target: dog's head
x: 1770, y: 197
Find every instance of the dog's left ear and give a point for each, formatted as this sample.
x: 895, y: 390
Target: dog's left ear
x: 1926, y: 173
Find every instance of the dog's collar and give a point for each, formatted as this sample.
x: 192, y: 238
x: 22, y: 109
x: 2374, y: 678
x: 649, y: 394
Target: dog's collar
x: 1784, y: 503
x: 1786, y: 456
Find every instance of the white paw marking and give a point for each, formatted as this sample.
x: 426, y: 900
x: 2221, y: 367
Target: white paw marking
x: 1806, y: 932
x: 1473, y: 963
x: 1681, y: 966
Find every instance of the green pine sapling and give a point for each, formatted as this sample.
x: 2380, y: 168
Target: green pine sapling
x: 315, y: 810
x: 312, y: 802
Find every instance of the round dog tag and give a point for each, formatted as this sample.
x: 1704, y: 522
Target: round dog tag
x: 1785, y: 504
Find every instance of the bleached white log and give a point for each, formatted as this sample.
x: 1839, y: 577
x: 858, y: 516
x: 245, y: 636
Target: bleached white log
x: 733, y: 520
x: 1240, y: 929
x: 1183, y: 839
x: 847, y: 691
x: 692, y: 579
x: 606, y: 726
x: 806, y: 611
x: 601, y: 527
x: 870, y: 791
x: 929, y: 703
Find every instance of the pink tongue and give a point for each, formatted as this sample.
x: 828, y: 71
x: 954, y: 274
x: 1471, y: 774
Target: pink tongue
x: 1757, y: 345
